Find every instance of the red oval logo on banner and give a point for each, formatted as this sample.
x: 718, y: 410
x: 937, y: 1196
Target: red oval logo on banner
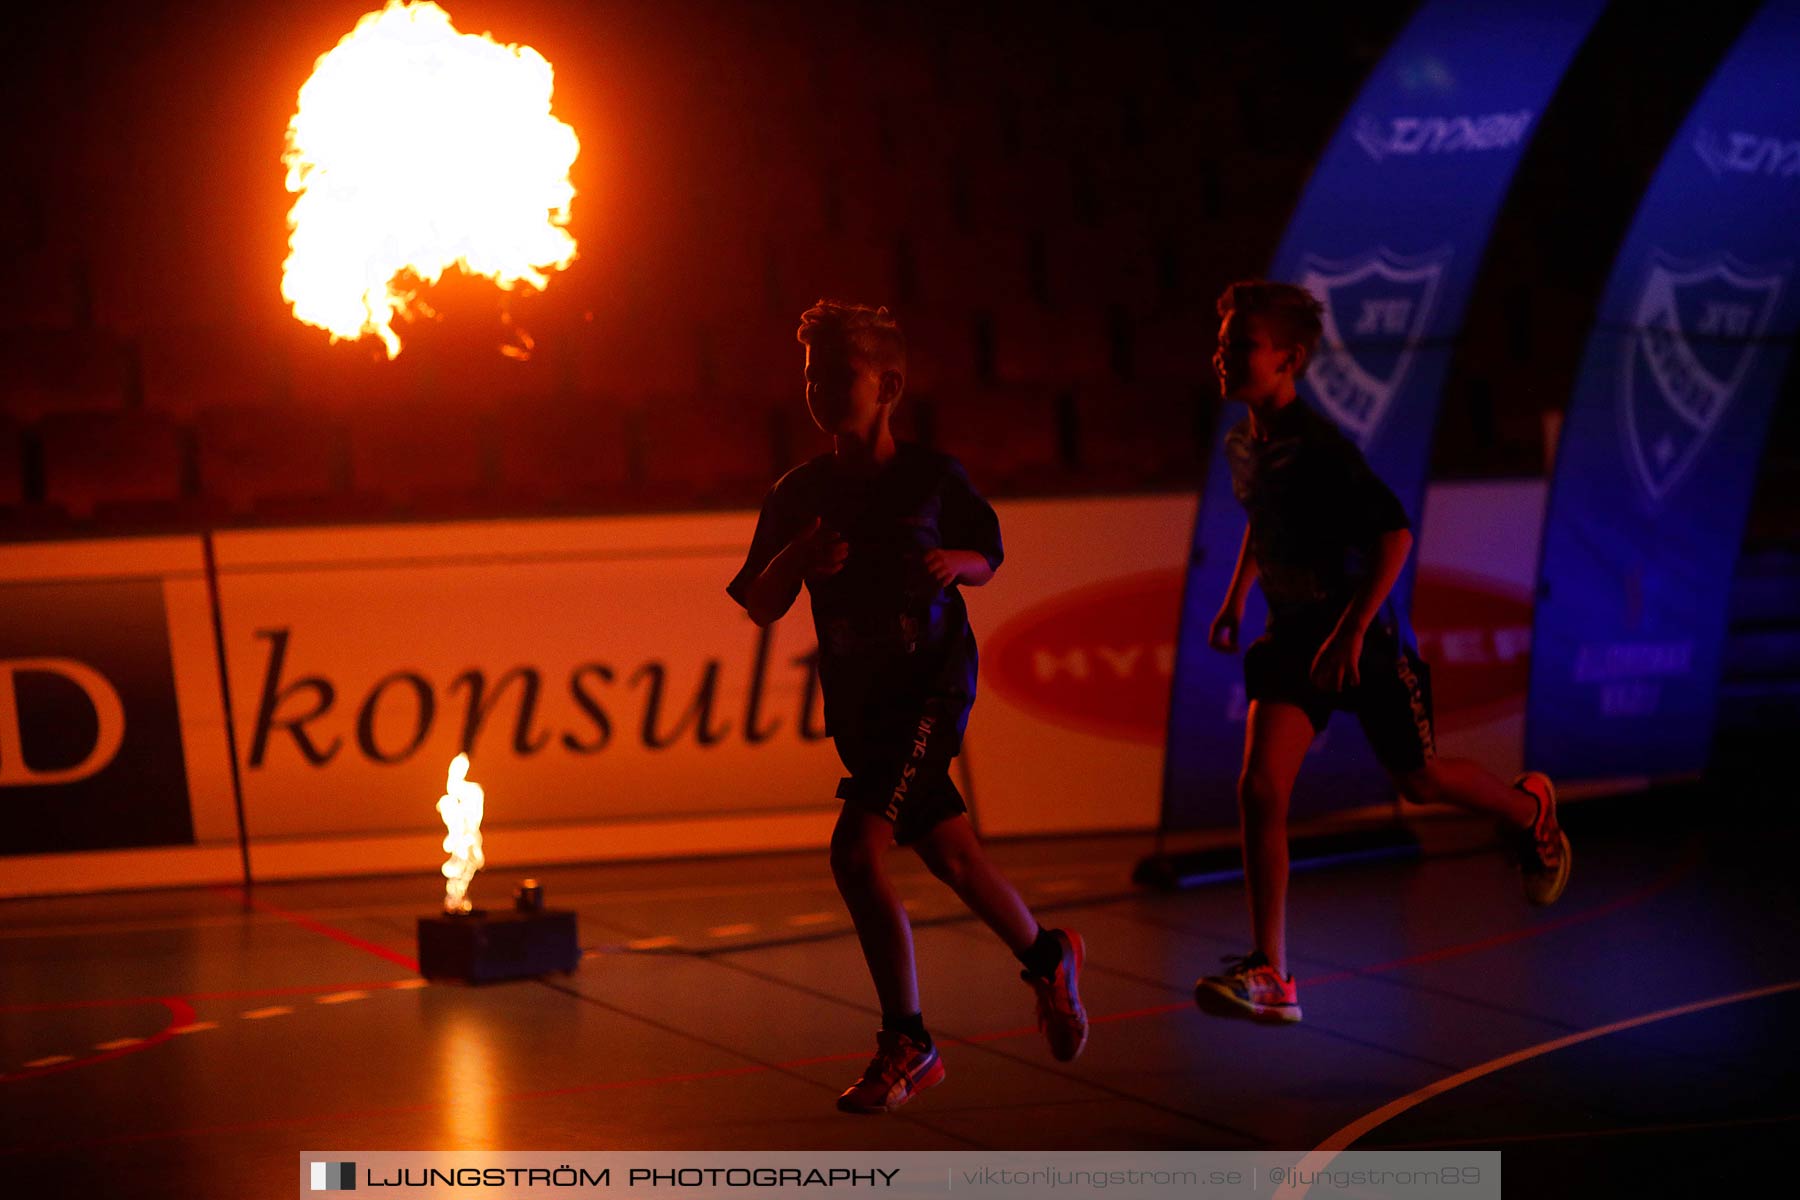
x: 1476, y: 634
x: 1100, y: 659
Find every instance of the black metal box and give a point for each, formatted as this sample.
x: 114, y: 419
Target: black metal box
x: 485, y: 947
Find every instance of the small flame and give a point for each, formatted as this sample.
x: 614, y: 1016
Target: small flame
x: 416, y: 148
x: 460, y: 806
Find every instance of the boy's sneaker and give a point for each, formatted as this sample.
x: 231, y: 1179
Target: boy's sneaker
x: 1059, y: 1010
x: 1249, y: 988
x: 900, y: 1070
x: 1543, y: 848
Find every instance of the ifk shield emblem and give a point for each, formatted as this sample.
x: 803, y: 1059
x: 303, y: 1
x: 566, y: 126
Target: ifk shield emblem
x: 1378, y: 308
x: 1695, y: 333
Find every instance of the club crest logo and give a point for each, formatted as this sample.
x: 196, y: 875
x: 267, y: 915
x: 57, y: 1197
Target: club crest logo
x: 1377, y: 309
x: 1694, y: 336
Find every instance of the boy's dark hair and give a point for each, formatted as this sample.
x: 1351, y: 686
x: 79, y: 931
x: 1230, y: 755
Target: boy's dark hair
x: 1290, y: 312
x: 871, y: 334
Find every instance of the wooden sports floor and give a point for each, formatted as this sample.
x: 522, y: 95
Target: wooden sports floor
x: 1636, y: 1037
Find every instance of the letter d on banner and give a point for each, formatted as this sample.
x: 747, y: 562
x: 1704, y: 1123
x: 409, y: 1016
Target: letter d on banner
x: 101, y: 694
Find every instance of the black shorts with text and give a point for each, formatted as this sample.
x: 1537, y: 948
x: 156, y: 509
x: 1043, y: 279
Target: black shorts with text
x: 1392, y: 699
x: 900, y: 769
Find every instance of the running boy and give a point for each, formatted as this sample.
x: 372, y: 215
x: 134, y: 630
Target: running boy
x: 883, y: 534
x: 1327, y: 540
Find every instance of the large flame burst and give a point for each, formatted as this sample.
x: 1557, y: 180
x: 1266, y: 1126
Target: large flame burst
x: 416, y: 148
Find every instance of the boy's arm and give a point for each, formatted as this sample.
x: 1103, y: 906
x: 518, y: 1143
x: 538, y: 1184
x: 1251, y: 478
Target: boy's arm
x: 773, y: 592
x: 815, y: 552
x: 1390, y: 556
x: 1374, y: 516
x: 973, y: 532
x: 1241, y: 577
x: 1335, y: 666
x: 1223, y: 635
x: 969, y: 568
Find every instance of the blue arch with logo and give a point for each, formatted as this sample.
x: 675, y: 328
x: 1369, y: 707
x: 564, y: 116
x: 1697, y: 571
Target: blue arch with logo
x: 1389, y: 234
x: 1664, y: 433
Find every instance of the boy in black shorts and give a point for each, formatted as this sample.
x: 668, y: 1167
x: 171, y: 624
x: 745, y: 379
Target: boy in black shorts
x: 883, y: 534
x: 1326, y: 539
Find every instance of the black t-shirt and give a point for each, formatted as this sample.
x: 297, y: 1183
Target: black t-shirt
x: 890, y: 638
x: 1316, y: 513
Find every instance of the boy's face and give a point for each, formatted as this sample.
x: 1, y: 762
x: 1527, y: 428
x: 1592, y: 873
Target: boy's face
x: 1249, y: 363
x: 843, y: 393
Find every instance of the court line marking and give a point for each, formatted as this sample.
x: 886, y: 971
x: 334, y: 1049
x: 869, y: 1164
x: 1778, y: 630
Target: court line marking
x: 789, y: 1064
x: 1517, y: 934
x: 180, y: 1013
x: 1321, y: 1156
x: 1442, y: 953
x: 320, y: 927
x: 1668, y: 880
x: 566, y: 899
x: 295, y: 989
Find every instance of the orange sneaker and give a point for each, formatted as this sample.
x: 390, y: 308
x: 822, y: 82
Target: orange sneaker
x: 1059, y: 1013
x: 900, y: 1070
x: 1543, y: 849
x: 1249, y: 988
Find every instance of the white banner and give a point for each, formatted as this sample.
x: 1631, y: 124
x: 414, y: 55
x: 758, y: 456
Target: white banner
x: 615, y: 702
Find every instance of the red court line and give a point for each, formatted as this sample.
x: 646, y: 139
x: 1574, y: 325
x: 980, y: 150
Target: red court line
x: 320, y: 927
x: 1446, y: 952
x: 1456, y: 950
x: 180, y: 1013
x: 1452, y: 951
x: 1524, y: 932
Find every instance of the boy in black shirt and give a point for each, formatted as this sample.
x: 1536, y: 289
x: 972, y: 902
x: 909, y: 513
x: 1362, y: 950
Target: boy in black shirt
x: 883, y: 534
x: 1327, y: 540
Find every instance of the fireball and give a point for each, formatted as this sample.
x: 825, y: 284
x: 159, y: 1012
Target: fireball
x: 416, y: 148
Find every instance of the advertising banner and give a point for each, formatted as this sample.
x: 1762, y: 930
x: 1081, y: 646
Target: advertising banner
x: 113, y: 767
x: 1660, y: 448
x: 1077, y: 636
x: 1472, y: 614
x: 1389, y: 236
x: 614, y: 701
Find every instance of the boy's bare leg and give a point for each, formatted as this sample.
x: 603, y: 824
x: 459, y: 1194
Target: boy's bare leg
x: 859, y: 847
x: 954, y: 855
x: 1466, y: 784
x: 1275, y: 741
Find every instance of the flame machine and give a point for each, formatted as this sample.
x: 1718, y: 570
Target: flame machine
x: 470, y: 944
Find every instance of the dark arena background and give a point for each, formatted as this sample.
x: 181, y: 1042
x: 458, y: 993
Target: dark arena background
x: 261, y: 582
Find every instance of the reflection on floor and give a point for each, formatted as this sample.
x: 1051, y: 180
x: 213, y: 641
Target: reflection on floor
x: 192, y: 1045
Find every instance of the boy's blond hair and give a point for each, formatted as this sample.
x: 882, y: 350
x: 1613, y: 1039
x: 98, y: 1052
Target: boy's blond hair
x: 1291, y: 313
x: 871, y: 334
